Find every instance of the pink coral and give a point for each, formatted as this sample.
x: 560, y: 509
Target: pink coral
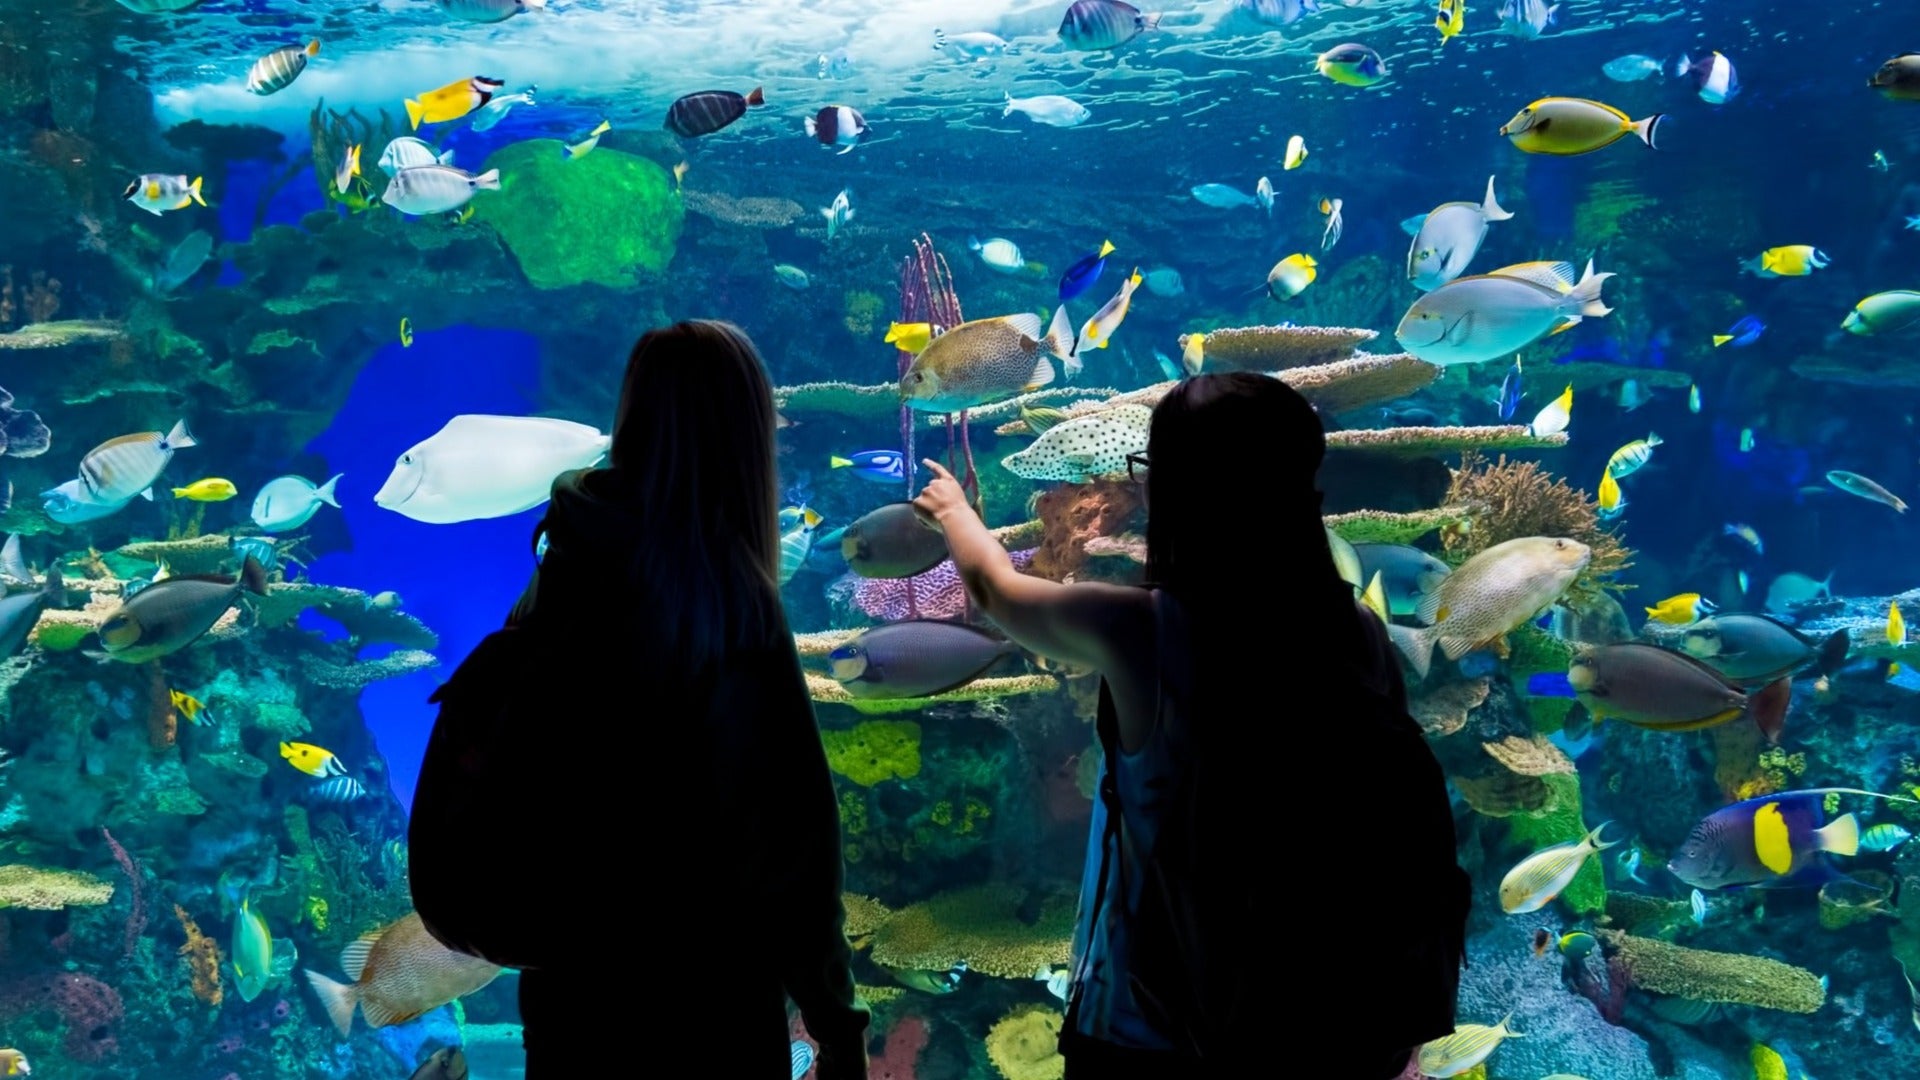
x: 89, y: 1008
x: 901, y: 1055
x: 937, y: 594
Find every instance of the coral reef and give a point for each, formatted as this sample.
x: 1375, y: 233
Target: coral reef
x: 1665, y: 968
x: 934, y: 594
x: 1024, y: 1044
x: 899, y: 1056
x: 202, y: 956
x: 1384, y: 527
x: 1280, y: 348
x: 609, y: 218
x: 874, y: 751
x: 1442, y: 440
x: 982, y: 925
x: 1519, y: 498
x: 1077, y: 513
x: 1564, y: 1032
x: 35, y: 889
x: 745, y: 211
x: 1443, y: 710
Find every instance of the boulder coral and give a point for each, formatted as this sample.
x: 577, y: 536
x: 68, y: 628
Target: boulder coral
x: 1023, y: 1044
x: 608, y: 218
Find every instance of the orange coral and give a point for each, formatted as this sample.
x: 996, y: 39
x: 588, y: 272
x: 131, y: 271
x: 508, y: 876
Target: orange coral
x: 203, y: 960
x: 1076, y: 513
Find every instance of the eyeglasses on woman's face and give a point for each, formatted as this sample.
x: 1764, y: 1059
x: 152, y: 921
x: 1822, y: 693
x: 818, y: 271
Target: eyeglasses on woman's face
x: 1137, y: 468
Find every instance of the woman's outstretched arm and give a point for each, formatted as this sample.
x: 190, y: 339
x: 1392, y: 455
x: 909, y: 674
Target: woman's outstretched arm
x: 1076, y: 624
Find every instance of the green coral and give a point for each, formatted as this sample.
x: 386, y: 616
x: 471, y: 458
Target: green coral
x: 1558, y: 822
x: 1534, y: 651
x: 606, y: 219
x: 1661, y: 967
x: 874, y: 751
x: 280, y: 720
x: 863, y: 308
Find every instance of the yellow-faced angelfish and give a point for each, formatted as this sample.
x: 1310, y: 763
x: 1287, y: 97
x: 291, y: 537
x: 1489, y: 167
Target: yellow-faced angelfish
x: 1792, y: 260
x: 452, y: 101
x: 1576, y: 945
x: 311, y: 759
x: 1681, y: 609
x: 1467, y: 1047
x: 406, y: 332
x: 1291, y: 276
x: 1563, y: 127
x: 211, y: 489
x: 190, y: 707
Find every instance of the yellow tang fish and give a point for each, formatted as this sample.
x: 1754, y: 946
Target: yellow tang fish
x: 1453, y: 18
x: 910, y: 337
x: 1467, y: 1047
x: 212, y: 489
x: 311, y: 759
x: 1680, y: 609
x: 1896, y: 634
x: 190, y: 707
x: 452, y: 101
x: 1610, y: 498
x: 1793, y: 260
x: 406, y: 332
x: 1767, y: 1063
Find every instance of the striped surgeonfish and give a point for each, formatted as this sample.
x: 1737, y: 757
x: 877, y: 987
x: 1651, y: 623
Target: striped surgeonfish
x: 708, y: 111
x: 123, y: 467
x: 1092, y: 25
x: 277, y: 70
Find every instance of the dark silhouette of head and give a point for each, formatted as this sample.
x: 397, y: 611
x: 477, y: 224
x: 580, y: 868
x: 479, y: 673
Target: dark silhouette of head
x: 693, y: 448
x: 1231, y: 495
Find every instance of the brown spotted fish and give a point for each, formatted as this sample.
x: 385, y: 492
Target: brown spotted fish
x: 1489, y: 595
x: 170, y: 615
x: 398, y: 972
x: 986, y: 360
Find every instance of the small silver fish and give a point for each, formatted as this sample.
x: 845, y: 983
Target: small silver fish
x: 1698, y: 904
x: 1630, y: 864
x: 838, y: 213
x: 495, y: 110
x: 1854, y: 484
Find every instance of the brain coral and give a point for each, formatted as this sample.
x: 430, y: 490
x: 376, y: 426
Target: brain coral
x: 607, y: 218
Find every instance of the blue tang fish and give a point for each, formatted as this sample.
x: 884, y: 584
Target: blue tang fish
x: 1082, y: 275
x: 1741, y: 334
x: 879, y: 466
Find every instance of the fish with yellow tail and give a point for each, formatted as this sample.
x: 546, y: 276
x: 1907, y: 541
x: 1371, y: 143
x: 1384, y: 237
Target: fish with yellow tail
x: 452, y: 101
x: 1462, y: 1051
x: 311, y: 759
x: 1630, y: 458
x: 1291, y: 276
x: 1098, y: 332
x: 1553, y: 419
x: 1471, y: 320
x: 1567, y: 127
x: 1537, y: 879
x: 585, y: 146
x: 277, y: 70
x: 1451, y: 20
x: 397, y: 973
x: 1612, y: 502
x: 189, y: 707
x: 1681, y: 609
x: 349, y: 168
x: 1772, y: 840
x: 1896, y: 634
x: 156, y: 193
x: 1489, y: 595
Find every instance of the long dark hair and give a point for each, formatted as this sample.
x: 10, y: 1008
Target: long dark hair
x: 693, y: 448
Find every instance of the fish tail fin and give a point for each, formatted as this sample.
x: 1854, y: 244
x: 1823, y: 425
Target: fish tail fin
x: 1721, y: 339
x: 415, y: 113
x: 1648, y: 129
x: 1840, y: 836
x: 756, y: 97
x: 1598, y: 840
x: 11, y: 562
x: 1106, y: 248
x: 1150, y: 21
x: 1769, y: 708
x: 337, y: 998
x: 1060, y: 335
x: 488, y: 181
x: 446, y: 158
x: 1586, y: 294
x: 1008, y: 111
x: 1490, y: 209
x: 1416, y: 645
x: 1833, y: 652
x: 193, y: 190
x: 813, y: 129
x: 325, y: 491
x: 254, y: 576
x: 313, y: 47
x: 1511, y: 1034
x: 973, y: 243
x: 180, y: 438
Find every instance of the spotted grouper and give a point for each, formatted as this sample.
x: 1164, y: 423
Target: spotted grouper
x: 1489, y: 595
x: 1088, y: 446
x: 398, y: 972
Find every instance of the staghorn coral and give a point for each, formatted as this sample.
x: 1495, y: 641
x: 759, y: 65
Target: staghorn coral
x: 1385, y: 527
x: 1661, y: 967
x: 1520, y: 498
x: 1443, y: 710
x: 1414, y: 441
x: 1280, y: 348
x: 982, y: 925
x: 875, y: 750
x: 356, y: 674
x: 1076, y: 513
x: 202, y: 955
x: 34, y: 888
x: 1025, y: 1044
x: 828, y: 692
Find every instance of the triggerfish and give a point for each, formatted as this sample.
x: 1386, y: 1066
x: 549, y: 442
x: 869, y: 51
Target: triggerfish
x: 398, y: 972
x: 1651, y: 687
x: 1545, y: 874
x: 1773, y: 840
x: 1465, y: 1049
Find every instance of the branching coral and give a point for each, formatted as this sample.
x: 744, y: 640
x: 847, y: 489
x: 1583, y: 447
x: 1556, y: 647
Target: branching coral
x: 1024, y: 1044
x: 984, y: 926
x: 875, y: 750
x: 1664, y: 968
x: 1520, y: 498
x: 208, y: 554
x: 37, y: 889
x: 202, y: 955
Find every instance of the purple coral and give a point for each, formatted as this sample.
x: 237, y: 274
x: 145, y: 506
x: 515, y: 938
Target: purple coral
x: 936, y: 594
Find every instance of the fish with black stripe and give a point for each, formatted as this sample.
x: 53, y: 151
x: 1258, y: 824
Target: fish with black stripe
x: 276, y: 71
x: 838, y: 125
x: 707, y: 111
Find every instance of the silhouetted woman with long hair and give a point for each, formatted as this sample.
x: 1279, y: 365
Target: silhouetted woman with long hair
x: 676, y: 767
x: 1248, y: 657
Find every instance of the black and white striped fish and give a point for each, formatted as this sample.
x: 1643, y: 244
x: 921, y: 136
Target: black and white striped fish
x: 708, y: 111
x: 838, y: 125
x: 338, y: 790
x: 1092, y: 25
x: 277, y: 70
x: 123, y: 467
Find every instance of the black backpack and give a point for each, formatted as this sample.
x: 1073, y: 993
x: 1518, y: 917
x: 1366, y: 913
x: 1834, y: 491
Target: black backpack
x: 1217, y: 916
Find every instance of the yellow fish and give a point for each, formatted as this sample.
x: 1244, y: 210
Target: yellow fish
x: 1193, y: 352
x: 1296, y: 153
x: 1793, y: 260
x: 585, y: 146
x: 349, y: 168
x: 1628, y: 459
x: 190, y: 707
x: 1896, y: 634
x: 311, y: 759
x: 1375, y: 596
x: 1453, y: 18
x: 910, y: 337
x: 1767, y: 1063
x: 1610, y: 499
x: 1098, y: 331
x: 14, y: 1063
x: 452, y: 101
x: 1679, y: 609
x: 1291, y: 276
x: 679, y: 174
x: 406, y: 332
x: 212, y: 489
x: 1468, y: 1046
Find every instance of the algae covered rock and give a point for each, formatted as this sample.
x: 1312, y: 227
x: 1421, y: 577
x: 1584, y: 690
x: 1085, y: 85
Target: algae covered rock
x: 607, y: 218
